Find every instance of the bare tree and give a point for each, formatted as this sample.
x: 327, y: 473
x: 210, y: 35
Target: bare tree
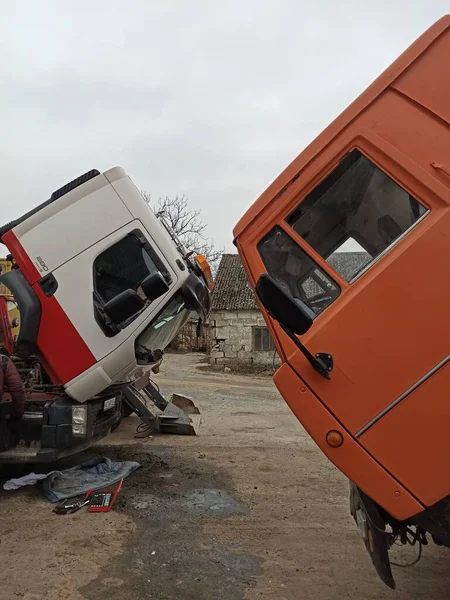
x: 187, y: 225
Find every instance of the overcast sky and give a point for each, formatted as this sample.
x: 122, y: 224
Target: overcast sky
x: 206, y: 98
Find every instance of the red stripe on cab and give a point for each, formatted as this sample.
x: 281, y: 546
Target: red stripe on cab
x: 63, y: 351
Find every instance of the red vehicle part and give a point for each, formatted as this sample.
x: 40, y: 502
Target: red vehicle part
x: 64, y: 356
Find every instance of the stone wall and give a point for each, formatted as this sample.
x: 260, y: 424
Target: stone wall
x: 232, y: 338
x: 187, y: 340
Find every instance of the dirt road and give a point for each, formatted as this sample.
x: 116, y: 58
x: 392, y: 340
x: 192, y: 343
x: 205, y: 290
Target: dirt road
x: 248, y: 509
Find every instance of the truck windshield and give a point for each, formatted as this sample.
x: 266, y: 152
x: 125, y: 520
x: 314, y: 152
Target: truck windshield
x: 164, y: 328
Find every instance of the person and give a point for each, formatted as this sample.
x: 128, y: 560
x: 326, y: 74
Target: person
x: 11, y: 382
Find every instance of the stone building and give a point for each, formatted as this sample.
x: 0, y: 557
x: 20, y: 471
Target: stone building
x: 238, y: 331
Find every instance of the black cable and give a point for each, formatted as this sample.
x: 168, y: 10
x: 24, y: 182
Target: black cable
x: 415, y: 537
x: 143, y: 427
x: 419, y: 556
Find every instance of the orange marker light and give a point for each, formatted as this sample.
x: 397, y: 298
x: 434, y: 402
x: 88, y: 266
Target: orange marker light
x: 334, y: 438
x: 204, y: 266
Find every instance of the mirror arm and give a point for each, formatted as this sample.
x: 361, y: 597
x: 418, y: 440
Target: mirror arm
x: 316, y: 362
x: 199, y: 328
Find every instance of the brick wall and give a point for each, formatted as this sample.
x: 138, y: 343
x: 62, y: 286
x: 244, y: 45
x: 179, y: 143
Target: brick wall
x: 232, y: 338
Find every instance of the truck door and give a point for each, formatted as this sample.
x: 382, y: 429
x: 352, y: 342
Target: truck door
x: 367, y: 255
x: 116, y: 263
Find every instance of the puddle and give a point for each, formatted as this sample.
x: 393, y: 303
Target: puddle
x: 205, y: 501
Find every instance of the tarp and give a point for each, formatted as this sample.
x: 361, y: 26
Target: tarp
x: 91, y: 475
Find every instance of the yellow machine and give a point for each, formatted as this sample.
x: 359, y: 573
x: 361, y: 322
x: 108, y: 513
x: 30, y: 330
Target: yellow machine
x: 13, y: 310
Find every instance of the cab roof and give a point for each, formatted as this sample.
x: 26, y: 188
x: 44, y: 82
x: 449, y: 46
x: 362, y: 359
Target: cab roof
x: 434, y: 102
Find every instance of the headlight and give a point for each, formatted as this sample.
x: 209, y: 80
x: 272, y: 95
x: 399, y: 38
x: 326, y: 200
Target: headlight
x: 79, y: 420
x: 79, y: 415
x: 78, y: 429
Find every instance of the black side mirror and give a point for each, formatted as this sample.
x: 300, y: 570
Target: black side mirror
x: 284, y: 308
x: 197, y: 295
x: 154, y: 286
x: 123, y: 306
x: 295, y: 318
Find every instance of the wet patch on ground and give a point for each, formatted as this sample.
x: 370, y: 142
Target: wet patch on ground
x: 171, y: 556
x: 215, y: 502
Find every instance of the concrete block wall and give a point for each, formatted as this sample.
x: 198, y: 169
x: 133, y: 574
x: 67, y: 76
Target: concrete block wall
x: 232, y: 332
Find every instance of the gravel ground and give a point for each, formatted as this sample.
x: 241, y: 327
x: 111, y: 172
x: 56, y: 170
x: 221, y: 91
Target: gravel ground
x: 249, y: 509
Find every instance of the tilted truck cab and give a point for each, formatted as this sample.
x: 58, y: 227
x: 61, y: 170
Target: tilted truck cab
x: 353, y: 239
x: 102, y: 286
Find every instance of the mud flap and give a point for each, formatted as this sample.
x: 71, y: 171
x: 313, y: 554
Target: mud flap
x: 371, y: 526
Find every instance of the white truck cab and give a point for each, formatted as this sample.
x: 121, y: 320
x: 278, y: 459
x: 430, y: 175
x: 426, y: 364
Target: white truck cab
x: 101, y: 284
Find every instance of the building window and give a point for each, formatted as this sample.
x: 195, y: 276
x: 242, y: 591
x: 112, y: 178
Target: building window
x: 354, y: 215
x: 262, y: 340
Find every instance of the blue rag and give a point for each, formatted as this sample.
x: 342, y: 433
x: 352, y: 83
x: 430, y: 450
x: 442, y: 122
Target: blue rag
x: 91, y: 475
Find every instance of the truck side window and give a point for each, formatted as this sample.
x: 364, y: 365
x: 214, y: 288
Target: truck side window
x: 355, y: 214
x: 296, y: 271
x: 121, y: 267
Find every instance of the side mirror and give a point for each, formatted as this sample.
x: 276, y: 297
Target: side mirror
x: 197, y: 295
x: 294, y: 314
x: 123, y: 306
x: 154, y: 286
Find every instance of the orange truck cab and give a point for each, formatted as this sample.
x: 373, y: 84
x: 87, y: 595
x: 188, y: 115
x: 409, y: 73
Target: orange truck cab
x: 347, y: 250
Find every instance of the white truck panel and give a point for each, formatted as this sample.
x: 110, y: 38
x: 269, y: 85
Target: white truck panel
x: 89, y: 384
x: 136, y: 204
x: 71, y: 224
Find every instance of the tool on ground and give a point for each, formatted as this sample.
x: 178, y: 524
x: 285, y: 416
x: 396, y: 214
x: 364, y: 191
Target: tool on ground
x: 103, y: 500
x: 65, y: 508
